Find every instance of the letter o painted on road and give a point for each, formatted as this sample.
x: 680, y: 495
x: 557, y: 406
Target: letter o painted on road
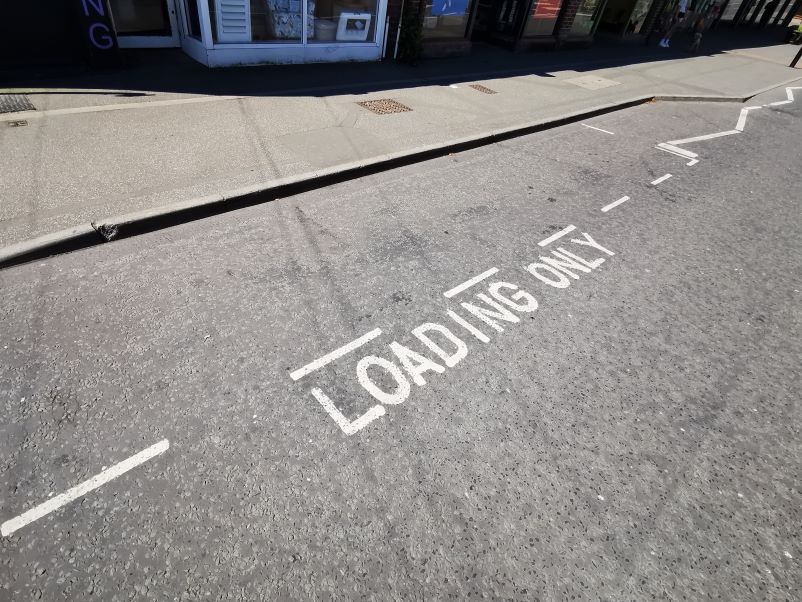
x: 536, y: 268
x: 402, y: 384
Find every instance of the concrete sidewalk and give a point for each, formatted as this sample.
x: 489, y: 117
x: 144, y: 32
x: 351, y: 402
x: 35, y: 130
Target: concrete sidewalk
x: 92, y: 152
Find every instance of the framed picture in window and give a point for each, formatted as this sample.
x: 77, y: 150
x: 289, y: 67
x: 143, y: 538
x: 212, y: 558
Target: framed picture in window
x: 353, y: 27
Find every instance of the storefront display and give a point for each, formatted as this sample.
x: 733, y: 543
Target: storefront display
x: 543, y: 18
x: 446, y: 18
x: 587, y: 17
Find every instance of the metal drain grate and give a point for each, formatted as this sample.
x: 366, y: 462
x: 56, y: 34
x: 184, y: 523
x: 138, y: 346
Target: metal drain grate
x: 483, y: 89
x: 384, y: 106
x: 12, y: 103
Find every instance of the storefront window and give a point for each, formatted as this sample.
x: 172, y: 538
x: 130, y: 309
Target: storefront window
x: 446, y: 18
x: 277, y: 21
x: 343, y: 21
x: 543, y: 18
x: 142, y: 17
x: 587, y: 15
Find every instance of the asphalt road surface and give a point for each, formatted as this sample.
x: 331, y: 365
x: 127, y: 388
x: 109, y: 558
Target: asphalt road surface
x: 473, y: 377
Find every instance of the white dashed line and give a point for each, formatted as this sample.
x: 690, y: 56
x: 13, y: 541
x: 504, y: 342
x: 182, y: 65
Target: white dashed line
x: 70, y: 495
x: 661, y: 179
x: 597, y: 129
x: 556, y: 235
x: 615, y: 204
x: 337, y: 353
x: 469, y: 283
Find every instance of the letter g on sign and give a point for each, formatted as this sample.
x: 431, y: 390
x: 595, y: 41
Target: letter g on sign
x: 101, y: 40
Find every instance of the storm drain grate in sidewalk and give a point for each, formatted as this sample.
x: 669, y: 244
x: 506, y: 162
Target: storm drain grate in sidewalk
x: 384, y: 106
x: 12, y: 103
x: 483, y: 89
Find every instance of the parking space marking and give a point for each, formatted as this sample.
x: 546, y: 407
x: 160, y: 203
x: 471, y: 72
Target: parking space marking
x: 597, y: 129
x: 337, y: 353
x: 469, y: 283
x: 556, y: 236
x: 672, y: 146
x: 661, y: 179
x: 742, y: 118
x: 37, y: 512
x: 614, y: 204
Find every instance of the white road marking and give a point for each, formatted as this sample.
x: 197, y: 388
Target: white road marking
x: 661, y: 179
x: 597, y: 129
x: 704, y: 137
x: 348, y: 427
x: 337, y: 353
x: 556, y: 235
x: 742, y: 118
x: 672, y: 145
x: 469, y: 283
x: 615, y: 204
x: 692, y: 162
x: 37, y: 512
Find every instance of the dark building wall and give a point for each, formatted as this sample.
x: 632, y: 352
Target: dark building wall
x: 38, y: 31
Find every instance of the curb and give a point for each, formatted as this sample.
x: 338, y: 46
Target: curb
x: 149, y: 220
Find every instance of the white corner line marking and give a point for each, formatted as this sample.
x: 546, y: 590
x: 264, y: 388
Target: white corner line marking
x: 615, y: 204
x: 556, y: 235
x: 469, y: 283
x: 597, y: 129
x: 661, y: 179
x: 742, y: 118
x: 692, y: 162
x: 81, y: 490
x: 339, y: 352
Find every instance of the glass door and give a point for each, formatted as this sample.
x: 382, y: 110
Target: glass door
x: 145, y: 23
x: 587, y: 17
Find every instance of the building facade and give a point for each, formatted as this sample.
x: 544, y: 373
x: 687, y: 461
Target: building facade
x: 222, y: 33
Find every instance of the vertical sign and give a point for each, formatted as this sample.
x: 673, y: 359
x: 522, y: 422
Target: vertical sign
x: 97, y: 32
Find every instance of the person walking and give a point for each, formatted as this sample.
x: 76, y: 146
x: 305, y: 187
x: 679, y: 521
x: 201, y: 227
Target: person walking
x: 676, y: 21
x: 698, y: 29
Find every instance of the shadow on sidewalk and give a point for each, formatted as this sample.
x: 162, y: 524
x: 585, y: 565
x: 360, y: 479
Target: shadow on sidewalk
x: 172, y: 71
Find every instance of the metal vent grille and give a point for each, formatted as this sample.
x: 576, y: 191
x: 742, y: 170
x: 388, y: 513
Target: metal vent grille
x: 12, y: 103
x: 384, y: 106
x: 483, y: 89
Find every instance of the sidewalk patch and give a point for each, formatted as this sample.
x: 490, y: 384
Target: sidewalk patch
x: 592, y: 82
x: 13, y: 103
x: 482, y: 88
x: 384, y: 106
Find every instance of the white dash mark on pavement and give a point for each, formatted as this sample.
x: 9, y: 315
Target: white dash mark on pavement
x: 692, y: 162
x: 469, y: 283
x: 337, y: 353
x: 742, y: 118
x: 556, y: 235
x: 615, y: 204
x: 703, y: 137
x: 81, y: 490
x: 676, y: 150
x: 597, y: 129
x: 661, y: 179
